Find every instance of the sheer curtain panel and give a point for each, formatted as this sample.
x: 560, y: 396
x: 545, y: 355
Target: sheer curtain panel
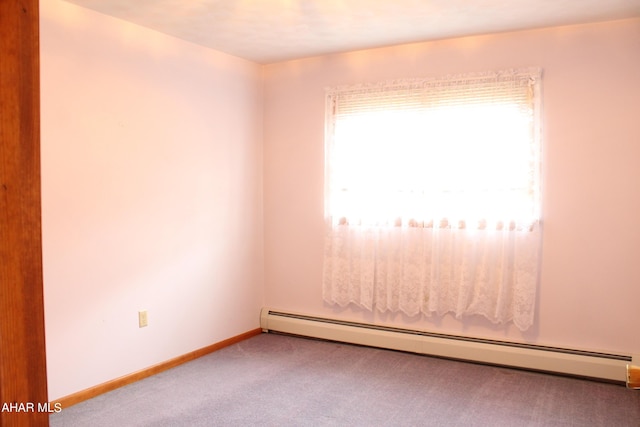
x: 432, y: 196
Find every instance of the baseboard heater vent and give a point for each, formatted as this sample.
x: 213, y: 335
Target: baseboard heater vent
x: 588, y: 364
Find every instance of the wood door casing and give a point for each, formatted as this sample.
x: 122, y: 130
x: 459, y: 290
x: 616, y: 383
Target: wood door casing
x: 23, y: 378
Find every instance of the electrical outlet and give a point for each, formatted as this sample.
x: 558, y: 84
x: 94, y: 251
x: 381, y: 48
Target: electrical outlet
x: 142, y: 319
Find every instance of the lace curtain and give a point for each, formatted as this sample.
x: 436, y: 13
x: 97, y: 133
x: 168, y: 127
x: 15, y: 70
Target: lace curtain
x: 432, y: 196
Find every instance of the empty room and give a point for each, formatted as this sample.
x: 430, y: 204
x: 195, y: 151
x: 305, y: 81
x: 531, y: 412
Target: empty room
x: 451, y: 182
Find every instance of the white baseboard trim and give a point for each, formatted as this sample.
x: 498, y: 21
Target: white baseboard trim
x: 588, y: 364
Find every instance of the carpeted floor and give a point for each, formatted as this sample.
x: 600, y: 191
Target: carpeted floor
x: 276, y: 380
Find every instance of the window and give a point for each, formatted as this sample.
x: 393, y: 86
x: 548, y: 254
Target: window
x: 432, y: 197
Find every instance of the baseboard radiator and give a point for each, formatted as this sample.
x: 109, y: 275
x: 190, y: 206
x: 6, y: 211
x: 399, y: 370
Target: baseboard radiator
x: 587, y: 364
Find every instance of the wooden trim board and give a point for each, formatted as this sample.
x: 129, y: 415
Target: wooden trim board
x: 72, y: 399
x: 23, y: 376
x: 633, y: 377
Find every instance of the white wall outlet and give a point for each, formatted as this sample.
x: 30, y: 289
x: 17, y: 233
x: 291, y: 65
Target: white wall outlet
x: 142, y: 319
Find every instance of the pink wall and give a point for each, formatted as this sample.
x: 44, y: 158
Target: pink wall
x: 152, y: 196
x: 590, y: 285
x: 155, y: 152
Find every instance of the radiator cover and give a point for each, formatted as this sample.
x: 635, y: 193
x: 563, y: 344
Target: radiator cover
x: 588, y: 364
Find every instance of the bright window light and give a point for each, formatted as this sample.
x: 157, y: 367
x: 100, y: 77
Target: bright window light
x: 460, y: 153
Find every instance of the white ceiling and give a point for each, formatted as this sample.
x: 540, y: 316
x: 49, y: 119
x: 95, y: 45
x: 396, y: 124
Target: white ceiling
x: 267, y: 31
